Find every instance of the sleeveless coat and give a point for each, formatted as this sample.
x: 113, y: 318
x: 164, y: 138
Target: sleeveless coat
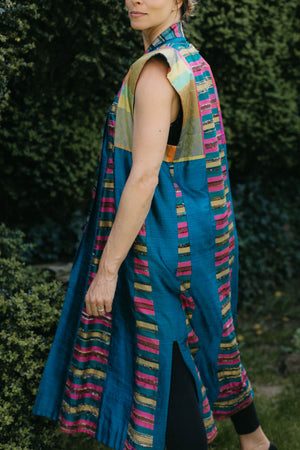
x: 110, y: 376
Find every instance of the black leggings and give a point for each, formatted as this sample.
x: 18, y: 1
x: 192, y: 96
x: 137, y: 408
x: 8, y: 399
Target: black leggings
x: 185, y: 427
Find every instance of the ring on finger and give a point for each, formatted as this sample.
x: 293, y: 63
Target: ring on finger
x: 101, y: 309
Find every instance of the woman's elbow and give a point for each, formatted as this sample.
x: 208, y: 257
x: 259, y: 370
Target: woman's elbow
x: 144, y: 181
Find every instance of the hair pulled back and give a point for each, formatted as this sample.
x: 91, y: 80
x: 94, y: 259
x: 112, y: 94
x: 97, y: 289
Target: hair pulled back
x: 187, y: 8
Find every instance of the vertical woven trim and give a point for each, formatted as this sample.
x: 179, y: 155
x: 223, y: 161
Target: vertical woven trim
x: 141, y: 423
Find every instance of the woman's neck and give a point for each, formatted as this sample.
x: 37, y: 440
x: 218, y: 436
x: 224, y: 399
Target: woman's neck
x: 151, y: 34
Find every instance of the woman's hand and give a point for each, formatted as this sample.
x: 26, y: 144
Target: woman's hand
x: 100, y: 295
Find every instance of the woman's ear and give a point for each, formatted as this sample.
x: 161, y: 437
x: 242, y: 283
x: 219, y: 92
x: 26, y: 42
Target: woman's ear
x: 178, y: 4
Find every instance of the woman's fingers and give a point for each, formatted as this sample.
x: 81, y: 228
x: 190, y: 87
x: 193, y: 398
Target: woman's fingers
x: 99, y: 297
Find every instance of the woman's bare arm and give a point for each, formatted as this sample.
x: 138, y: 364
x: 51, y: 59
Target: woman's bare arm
x: 156, y: 105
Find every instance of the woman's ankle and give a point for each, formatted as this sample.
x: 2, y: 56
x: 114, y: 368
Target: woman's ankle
x: 257, y: 440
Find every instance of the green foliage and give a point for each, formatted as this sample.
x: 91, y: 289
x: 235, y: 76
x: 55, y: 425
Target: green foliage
x: 59, y: 76
x: 30, y: 304
x: 253, y: 49
x: 267, y: 223
x: 61, y: 64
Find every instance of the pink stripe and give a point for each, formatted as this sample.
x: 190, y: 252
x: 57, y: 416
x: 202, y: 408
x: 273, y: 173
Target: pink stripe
x: 145, y: 301
x: 147, y: 349
x: 79, y: 430
x: 142, y: 424
x: 224, y: 355
x: 152, y: 341
x: 143, y: 413
x: 181, y: 235
x: 140, y: 261
x: 107, y: 209
x: 99, y: 247
x: 146, y: 385
x: 222, y: 252
x: 224, y: 286
x: 176, y: 32
x: 147, y: 377
x: 214, y: 179
x: 84, y: 386
x: 101, y: 238
x: 232, y: 411
x: 215, y: 188
x: 95, y: 320
x: 229, y: 363
x: 93, y: 348
x: 93, y: 395
x: 222, y: 261
x: 145, y: 311
x: 235, y: 385
x: 227, y: 333
x: 184, y: 264
x: 142, y: 272
x: 79, y: 421
x: 108, y: 200
x: 90, y: 358
x: 221, y: 226
x: 182, y: 224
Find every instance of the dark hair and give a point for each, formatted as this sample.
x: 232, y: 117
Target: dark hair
x: 187, y: 8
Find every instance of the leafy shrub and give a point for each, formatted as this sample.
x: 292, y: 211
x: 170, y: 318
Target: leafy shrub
x: 30, y: 304
x: 62, y: 63
x: 268, y: 221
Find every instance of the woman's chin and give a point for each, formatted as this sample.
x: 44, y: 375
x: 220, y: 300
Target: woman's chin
x: 136, y: 26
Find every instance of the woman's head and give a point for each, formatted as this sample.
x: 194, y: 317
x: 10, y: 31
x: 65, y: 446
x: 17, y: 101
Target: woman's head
x: 145, y: 14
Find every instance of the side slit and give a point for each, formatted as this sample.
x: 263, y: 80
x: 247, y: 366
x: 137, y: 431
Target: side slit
x: 185, y: 426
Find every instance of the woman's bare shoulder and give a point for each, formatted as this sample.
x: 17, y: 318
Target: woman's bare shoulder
x: 153, y: 78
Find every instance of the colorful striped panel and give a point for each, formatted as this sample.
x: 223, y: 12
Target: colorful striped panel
x: 235, y: 389
x: 83, y: 392
x: 184, y: 271
x: 141, y: 423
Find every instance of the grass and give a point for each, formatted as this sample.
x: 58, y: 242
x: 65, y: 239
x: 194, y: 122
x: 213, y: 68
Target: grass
x: 267, y: 332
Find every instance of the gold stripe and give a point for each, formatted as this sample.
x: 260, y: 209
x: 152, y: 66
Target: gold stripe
x: 222, y: 274
x: 140, y: 248
x: 226, y: 308
x: 86, y: 372
x: 234, y: 401
x: 150, y: 326
x: 105, y: 223
x: 232, y: 373
x: 145, y: 400
x: 231, y: 260
x: 108, y: 184
x: 228, y: 345
x: 145, y: 362
x: 218, y: 203
x: 185, y: 285
x: 94, y: 334
x: 181, y: 210
x: 186, y: 249
x: 139, y: 438
x: 189, y: 158
x: 142, y: 287
x: 223, y: 238
x: 213, y: 163
x: 80, y: 408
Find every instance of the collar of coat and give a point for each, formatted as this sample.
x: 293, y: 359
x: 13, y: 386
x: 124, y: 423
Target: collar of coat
x: 174, y: 31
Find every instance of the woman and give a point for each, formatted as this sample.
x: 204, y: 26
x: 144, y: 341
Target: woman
x: 153, y: 358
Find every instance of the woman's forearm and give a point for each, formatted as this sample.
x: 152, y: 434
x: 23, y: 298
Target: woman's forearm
x: 134, y: 205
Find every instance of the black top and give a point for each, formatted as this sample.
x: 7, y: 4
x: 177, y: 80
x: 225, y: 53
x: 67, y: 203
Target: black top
x: 175, y: 129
